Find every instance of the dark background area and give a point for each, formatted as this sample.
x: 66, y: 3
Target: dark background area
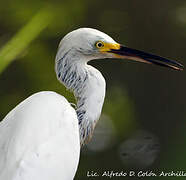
x: 139, y: 96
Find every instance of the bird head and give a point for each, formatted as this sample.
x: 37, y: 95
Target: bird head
x: 89, y: 44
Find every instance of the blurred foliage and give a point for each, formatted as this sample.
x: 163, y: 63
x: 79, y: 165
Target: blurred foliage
x: 25, y: 36
x: 139, y: 96
x: 119, y: 107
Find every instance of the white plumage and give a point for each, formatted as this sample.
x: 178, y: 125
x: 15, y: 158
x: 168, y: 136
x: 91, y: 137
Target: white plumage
x: 32, y: 139
x: 40, y: 139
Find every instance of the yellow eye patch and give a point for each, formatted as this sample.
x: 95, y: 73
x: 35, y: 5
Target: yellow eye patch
x: 104, y: 47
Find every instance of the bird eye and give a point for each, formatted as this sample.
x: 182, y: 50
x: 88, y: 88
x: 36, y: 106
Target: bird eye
x: 99, y: 44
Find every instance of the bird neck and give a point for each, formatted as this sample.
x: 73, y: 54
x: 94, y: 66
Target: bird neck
x: 88, y: 86
x: 89, y: 103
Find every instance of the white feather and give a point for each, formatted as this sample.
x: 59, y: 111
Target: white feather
x: 39, y: 140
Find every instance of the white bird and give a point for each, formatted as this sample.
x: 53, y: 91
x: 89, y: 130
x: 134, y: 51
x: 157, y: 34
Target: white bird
x: 40, y: 139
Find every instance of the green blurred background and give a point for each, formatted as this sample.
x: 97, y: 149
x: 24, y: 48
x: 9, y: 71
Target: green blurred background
x: 139, y: 96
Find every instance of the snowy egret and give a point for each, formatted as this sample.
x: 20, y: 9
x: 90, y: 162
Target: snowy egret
x: 40, y: 139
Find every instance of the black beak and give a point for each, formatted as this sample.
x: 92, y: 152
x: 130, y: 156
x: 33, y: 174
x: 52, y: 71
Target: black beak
x: 133, y: 54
